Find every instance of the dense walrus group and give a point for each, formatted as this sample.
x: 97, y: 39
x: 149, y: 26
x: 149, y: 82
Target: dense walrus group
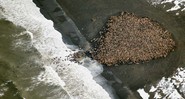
x: 128, y: 38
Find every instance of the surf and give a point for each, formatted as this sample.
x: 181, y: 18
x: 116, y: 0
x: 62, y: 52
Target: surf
x: 42, y: 67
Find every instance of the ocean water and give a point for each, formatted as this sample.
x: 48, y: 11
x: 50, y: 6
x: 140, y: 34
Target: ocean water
x: 7, y: 88
x: 34, y: 60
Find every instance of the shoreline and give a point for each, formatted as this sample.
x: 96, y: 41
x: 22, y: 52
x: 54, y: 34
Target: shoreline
x: 131, y: 76
x: 67, y: 26
x: 62, y: 23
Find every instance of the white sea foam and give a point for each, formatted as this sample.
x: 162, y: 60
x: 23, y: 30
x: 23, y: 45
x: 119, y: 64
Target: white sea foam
x: 47, y: 77
x: 143, y: 94
x: 1, y: 94
x: 3, y: 88
x: 75, y: 79
x: 171, y: 87
x: 177, y: 4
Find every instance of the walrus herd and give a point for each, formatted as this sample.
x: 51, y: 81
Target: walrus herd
x: 128, y: 38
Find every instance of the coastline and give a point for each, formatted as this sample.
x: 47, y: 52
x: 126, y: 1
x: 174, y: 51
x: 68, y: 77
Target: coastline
x: 72, y: 36
x: 130, y: 77
x: 62, y: 23
x: 38, y: 57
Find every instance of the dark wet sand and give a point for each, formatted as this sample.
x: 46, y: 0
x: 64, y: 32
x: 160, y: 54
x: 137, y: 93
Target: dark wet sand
x: 91, y: 15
